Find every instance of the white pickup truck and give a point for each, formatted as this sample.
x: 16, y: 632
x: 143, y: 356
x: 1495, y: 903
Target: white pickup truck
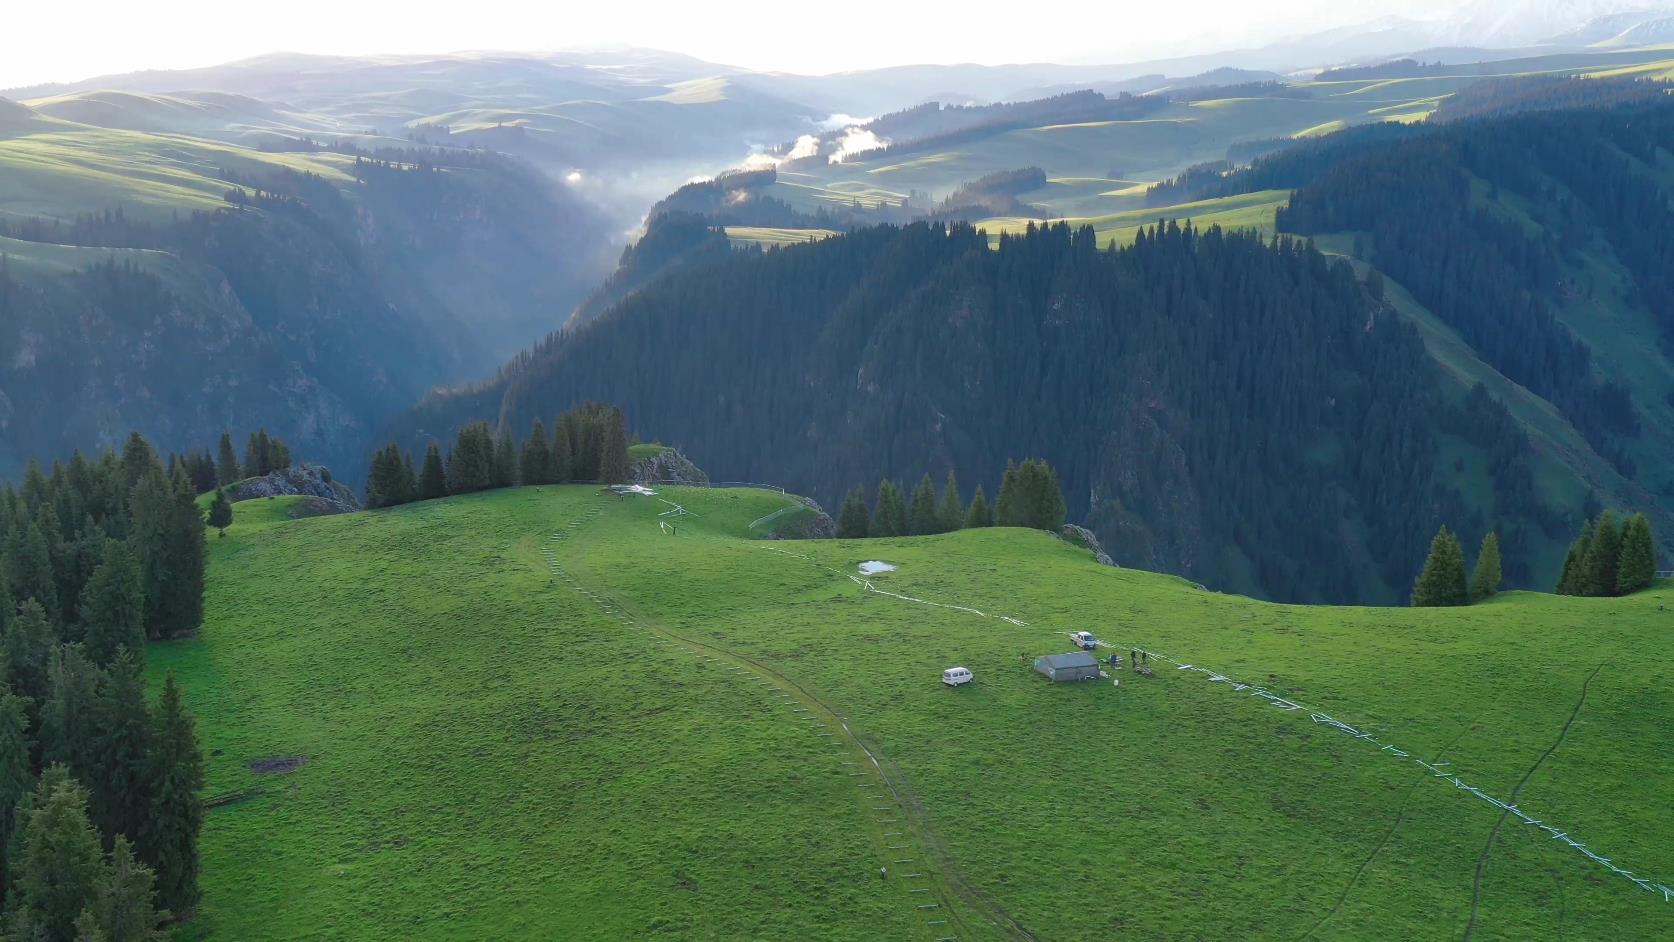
x: 1084, y: 640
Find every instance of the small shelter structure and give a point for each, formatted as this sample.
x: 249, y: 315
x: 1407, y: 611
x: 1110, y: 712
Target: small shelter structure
x: 1066, y: 667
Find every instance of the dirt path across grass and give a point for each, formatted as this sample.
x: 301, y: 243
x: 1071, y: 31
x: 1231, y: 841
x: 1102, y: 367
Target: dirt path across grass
x: 947, y: 905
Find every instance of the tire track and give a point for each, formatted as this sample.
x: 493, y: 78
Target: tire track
x: 1400, y: 816
x: 1488, y: 849
x: 947, y: 898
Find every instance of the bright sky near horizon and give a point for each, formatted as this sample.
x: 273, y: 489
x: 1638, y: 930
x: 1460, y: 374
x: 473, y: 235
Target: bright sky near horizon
x: 45, y: 42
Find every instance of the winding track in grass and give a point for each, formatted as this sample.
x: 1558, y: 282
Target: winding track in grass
x: 951, y: 893
x: 1488, y: 849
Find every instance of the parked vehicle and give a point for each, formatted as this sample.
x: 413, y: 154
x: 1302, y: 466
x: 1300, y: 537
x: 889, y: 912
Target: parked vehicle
x: 957, y: 676
x: 1084, y: 640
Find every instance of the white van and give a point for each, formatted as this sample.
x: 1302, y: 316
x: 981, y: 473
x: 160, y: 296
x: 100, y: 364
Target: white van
x: 1084, y: 640
x: 957, y: 676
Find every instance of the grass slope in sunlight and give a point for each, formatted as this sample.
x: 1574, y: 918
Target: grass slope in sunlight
x: 491, y: 753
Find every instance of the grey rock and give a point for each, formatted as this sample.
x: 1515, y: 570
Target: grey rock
x: 668, y: 467
x: 307, y: 480
x: 1083, y: 537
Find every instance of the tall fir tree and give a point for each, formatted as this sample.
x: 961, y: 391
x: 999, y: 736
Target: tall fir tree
x: 72, y: 714
x: 889, y: 516
x: 979, y: 515
x: 220, y: 511
x: 471, y: 462
x: 123, y: 907
x: 16, y: 770
x: 29, y: 569
x: 922, y: 517
x: 432, y: 482
x: 1603, y: 555
x: 614, y: 466
x: 169, y: 843
x: 28, y: 661
x: 537, y: 457
x: 563, y: 450
x: 952, y: 510
x: 1573, y: 579
x: 854, y: 522
x: 114, y: 606
x: 226, y: 461
x: 1486, y: 577
x: 138, y: 457
x: 57, y: 866
x: 505, y: 459
x: 1008, y: 506
x: 121, y: 799
x: 1442, y: 581
x: 1636, y: 568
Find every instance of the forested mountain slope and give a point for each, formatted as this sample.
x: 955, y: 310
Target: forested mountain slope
x: 1241, y: 412
x: 182, y: 287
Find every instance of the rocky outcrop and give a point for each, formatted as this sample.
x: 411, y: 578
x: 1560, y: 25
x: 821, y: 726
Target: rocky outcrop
x: 308, y: 480
x: 668, y: 467
x: 1084, y: 538
x: 799, y: 526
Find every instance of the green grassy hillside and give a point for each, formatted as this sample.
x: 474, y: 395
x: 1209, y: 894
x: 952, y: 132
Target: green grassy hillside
x: 535, y: 714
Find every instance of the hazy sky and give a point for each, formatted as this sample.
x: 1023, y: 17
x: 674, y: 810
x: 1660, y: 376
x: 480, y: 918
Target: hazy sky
x: 45, y: 41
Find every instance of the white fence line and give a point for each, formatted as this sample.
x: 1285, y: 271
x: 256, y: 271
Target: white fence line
x: 1436, y: 769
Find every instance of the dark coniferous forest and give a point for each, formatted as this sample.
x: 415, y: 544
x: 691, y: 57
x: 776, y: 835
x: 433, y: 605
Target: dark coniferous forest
x: 1241, y: 411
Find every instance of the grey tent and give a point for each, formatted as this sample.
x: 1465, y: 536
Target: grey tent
x: 1062, y: 667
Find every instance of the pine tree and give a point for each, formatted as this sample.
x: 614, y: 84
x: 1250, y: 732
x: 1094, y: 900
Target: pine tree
x: 1575, y: 564
x: 226, y: 462
x: 1603, y: 554
x: 563, y: 450
x: 979, y: 515
x: 854, y: 522
x: 1486, y: 577
x: 221, y: 511
x: 169, y: 843
x: 614, y: 466
x: 29, y: 569
x: 57, y: 867
x: 471, y: 462
x: 28, y: 660
x: 923, y: 519
x: 1045, y: 498
x: 122, y: 909
x: 1008, y: 509
x: 114, y: 606
x: 505, y: 460
x: 1636, y: 568
x: 121, y: 778
x: 407, y: 488
x: 432, y: 482
x: 72, y: 713
x: 889, y: 516
x: 138, y: 457
x: 952, y: 512
x: 16, y: 765
x: 1442, y: 581
x: 279, y: 454
x: 537, y: 457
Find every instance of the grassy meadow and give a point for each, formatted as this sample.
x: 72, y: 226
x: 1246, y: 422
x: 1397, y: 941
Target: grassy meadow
x: 534, y: 714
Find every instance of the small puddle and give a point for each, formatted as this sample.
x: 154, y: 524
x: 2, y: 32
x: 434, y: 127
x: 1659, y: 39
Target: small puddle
x: 873, y: 567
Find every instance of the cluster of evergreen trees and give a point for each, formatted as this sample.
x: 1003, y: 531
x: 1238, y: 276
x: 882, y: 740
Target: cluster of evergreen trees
x: 263, y: 454
x: 99, y: 789
x: 1029, y: 497
x: 1442, y: 581
x: 588, y: 443
x: 1195, y: 389
x: 1610, y: 559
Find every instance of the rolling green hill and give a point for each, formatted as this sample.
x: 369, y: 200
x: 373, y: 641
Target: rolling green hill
x: 534, y: 714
